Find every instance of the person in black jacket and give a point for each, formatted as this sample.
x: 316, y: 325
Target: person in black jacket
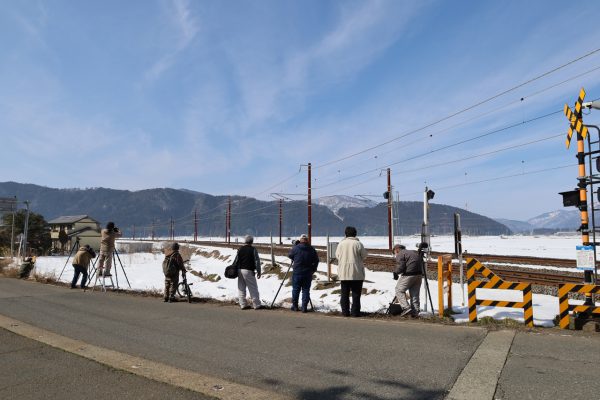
x: 172, y: 264
x: 304, y: 262
x: 248, y: 263
x: 409, y: 272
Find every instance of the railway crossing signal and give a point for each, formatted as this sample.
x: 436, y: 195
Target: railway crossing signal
x: 576, y: 123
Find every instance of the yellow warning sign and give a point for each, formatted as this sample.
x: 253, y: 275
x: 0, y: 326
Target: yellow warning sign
x: 575, y: 121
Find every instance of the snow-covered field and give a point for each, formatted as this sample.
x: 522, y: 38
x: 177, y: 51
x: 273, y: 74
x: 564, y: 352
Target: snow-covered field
x: 145, y: 273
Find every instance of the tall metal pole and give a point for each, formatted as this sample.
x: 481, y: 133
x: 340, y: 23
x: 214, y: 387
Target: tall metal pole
x: 309, y: 206
x: 195, y: 224
x: 585, y: 233
x: 389, y: 207
x: 280, y: 219
x: 12, y: 232
x: 25, y: 229
x: 229, y: 223
x: 592, y: 200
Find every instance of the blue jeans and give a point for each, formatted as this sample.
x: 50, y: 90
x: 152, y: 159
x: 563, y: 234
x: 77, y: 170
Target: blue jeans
x: 79, y: 270
x: 301, y: 282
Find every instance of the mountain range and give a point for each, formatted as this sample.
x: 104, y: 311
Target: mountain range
x: 153, y: 209
x: 559, y: 220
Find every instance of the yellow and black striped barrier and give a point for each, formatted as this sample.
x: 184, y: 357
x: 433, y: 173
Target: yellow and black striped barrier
x: 563, y: 301
x: 495, y: 282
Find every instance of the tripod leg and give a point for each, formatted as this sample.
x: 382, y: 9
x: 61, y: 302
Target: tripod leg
x: 428, y: 292
x: 393, y: 301
x: 93, y: 269
x: 122, y: 268
x: 115, y: 268
x: 66, y: 262
x: 280, y: 286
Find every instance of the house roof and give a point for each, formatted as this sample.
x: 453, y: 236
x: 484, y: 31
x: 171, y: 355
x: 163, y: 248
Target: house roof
x: 81, y: 230
x: 70, y: 219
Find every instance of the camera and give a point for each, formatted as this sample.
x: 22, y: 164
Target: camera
x: 115, y: 229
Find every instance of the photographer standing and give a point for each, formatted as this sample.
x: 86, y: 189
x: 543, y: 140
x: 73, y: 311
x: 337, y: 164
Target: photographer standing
x: 107, y: 247
x: 81, y: 263
x: 305, y: 262
x: 172, y: 264
x: 351, y: 254
x: 409, y: 273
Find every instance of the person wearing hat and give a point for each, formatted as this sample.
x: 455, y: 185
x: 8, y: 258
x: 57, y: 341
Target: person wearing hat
x: 351, y: 254
x: 304, y: 262
x: 409, y: 273
x: 172, y: 264
x: 248, y: 263
x: 107, y: 247
x: 81, y: 263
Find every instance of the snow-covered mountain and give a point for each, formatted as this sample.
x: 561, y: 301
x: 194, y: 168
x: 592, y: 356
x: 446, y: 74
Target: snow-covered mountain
x: 568, y: 220
x: 559, y: 219
x: 335, y: 203
x: 516, y: 226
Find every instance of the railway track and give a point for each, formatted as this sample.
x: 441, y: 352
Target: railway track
x: 510, y: 268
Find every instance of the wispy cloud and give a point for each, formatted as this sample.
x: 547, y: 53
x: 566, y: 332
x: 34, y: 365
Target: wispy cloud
x: 185, y: 26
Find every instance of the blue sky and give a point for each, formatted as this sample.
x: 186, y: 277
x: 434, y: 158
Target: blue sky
x: 232, y: 97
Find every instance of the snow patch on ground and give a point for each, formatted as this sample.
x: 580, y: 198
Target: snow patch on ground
x: 144, y: 271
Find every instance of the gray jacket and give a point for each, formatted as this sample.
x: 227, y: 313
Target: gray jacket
x: 409, y: 263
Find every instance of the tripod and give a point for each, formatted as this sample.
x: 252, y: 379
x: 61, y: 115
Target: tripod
x: 75, y: 245
x: 422, y: 253
x: 280, y: 286
x: 115, y: 257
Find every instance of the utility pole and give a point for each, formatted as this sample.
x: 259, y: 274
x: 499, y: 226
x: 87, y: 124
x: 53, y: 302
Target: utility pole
x: 425, y: 236
x: 12, y: 232
x: 309, y: 206
x: 280, y: 219
x: 229, y: 223
x: 133, y: 237
x: 153, y: 229
x: 25, y: 229
x: 195, y: 224
x: 390, y: 200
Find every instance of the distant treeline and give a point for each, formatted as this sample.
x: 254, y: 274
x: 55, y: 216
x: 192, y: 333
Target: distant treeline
x: 157, y: 207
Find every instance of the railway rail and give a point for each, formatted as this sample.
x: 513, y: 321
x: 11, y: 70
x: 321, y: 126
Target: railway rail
x: 510, y: 268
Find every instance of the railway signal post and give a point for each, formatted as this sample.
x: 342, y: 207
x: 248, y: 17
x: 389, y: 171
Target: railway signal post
x: 578, y: 197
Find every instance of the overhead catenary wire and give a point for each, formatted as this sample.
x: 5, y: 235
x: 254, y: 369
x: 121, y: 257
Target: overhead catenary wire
x: 452, y: 115
x: 489, y: 112
x: 505, y: 128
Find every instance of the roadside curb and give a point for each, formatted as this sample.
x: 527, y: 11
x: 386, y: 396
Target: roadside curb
x: 479, y: 378
x: 210, y: 386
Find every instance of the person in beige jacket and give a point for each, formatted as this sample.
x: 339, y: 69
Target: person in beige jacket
x: 350, y: 254
x: 107, y: 247
x: 81, y: 263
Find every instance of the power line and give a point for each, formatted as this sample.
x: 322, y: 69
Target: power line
x: 462, y: 110
x: 505, y: 128
x: 519, y: 100
x: 495, y: 178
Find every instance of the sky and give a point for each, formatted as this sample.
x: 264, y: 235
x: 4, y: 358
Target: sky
x: 238, y: 97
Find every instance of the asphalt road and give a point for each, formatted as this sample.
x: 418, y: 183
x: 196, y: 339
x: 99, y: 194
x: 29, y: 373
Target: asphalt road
x: 306, y: 356
x: 31, y: 370
x: 551, y: 366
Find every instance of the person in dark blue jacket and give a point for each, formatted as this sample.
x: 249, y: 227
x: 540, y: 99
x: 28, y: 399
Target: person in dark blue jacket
x: 304, y: 262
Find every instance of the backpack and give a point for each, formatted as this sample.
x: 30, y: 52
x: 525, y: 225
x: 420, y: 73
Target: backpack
x: 169, y: 268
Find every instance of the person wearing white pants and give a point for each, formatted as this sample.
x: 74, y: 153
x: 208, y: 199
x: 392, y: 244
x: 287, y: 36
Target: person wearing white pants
x: 248, y: 263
